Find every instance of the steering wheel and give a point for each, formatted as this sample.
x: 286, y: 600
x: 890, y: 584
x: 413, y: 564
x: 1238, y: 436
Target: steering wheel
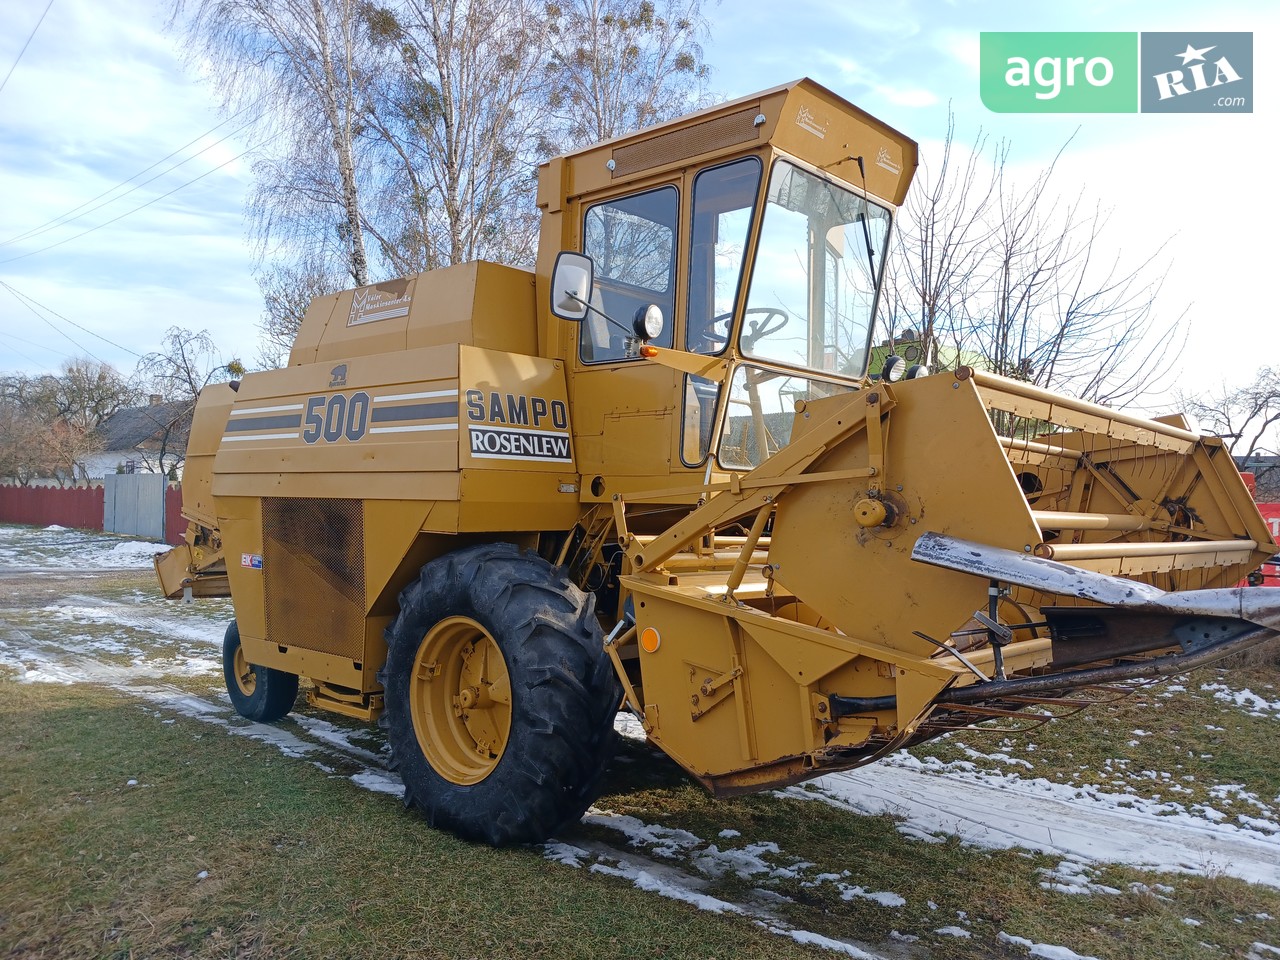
x: 759, y: 329
x: 715, y: 339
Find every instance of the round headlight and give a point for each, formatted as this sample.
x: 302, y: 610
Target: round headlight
x: 893, y: 369
x: 648, y: 322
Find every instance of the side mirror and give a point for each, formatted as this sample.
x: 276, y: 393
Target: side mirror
x: 572, y: 281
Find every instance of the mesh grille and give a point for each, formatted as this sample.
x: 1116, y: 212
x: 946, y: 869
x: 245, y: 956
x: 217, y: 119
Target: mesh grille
x: 313, y: 574
x: 687, y: 142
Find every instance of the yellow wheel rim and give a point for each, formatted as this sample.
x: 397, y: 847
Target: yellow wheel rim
x: 246, y: 679
x: 460, y: 700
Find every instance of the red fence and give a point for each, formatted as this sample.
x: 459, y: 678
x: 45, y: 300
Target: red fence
x: 79, y: 507
x: 175, y: 524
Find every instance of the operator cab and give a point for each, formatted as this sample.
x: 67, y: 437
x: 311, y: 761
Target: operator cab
x: 764, y: 253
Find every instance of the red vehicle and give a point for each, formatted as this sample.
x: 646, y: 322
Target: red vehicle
x: 1268, y: 575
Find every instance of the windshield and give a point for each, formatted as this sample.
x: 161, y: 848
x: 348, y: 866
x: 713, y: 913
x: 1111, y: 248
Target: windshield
x: 814, y: 282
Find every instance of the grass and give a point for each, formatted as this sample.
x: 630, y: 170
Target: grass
x: 1185, y: 733
x: 949, y: 884
x: 295, y: 863
x: 300, y: 862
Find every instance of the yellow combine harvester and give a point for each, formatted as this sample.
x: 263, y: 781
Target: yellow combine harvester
x: 485, y: 506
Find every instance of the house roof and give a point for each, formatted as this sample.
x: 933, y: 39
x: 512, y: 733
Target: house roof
x: 133, y: 426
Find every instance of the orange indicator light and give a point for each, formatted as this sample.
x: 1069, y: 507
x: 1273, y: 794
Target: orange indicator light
x: 650, y: 640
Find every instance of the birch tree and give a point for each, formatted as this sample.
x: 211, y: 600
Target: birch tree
x: 460, y: 130
x: 618, y: 65
x: 300, y: 66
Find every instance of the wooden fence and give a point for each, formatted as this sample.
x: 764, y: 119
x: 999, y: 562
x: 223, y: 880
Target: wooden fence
x: 155, y: 514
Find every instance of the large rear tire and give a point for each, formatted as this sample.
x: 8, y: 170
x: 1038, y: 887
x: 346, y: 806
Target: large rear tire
x: 499, y: 697
x: 257, y: 693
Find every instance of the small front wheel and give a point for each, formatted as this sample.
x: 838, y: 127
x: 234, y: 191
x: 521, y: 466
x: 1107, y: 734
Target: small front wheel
x: 257, y: 693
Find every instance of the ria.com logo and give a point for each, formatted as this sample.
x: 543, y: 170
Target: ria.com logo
x: 1117, y: 72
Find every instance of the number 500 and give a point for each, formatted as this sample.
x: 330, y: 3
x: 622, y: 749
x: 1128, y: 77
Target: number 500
x: 336, y: 417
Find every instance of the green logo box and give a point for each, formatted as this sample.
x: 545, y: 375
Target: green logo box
x: 1059, y: 72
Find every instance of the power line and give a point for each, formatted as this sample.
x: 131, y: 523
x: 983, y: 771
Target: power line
x: 25, y: 45
x: 27, y: 302
x: 49, y: 324
x: 31, y: 359
x: 42, y: 346
x: 129, y: 212
x: 74, y: 214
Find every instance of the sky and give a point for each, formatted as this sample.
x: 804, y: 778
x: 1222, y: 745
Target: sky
x: 101, y: 93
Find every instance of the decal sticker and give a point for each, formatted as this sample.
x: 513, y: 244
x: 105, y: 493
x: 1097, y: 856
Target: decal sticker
x: 506, y: 444
x: 252, y: 561
x: 807, y: 121
x: 516, y: 426
x: 885, y: 162
x: 340, y: 416
x: 248, y: 423
x: 372, y: 303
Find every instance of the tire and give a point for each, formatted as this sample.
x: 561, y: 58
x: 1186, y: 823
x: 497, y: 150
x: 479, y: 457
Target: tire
x: 257, y: 693
x: 499, y: 696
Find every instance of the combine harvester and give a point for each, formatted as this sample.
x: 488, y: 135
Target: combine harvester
x: 484, y: 506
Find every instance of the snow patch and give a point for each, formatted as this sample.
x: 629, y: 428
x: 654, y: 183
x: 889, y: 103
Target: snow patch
x: 663, y: 841
x: 379, y: 781
x: 643, y: 880
x: 817, y: 940
x: 1001, y: 811
x: 1072, y: 876
x: 565, y: 853
x: 1046, y: 950
x: 1246, y: 699
x: 629, y: 726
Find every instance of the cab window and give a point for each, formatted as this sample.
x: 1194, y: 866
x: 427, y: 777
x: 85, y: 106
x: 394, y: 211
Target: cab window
x: 723, y: 201
x: 633, y: 243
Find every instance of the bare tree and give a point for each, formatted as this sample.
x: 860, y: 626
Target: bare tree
x: 459, y: 130
x: 86, y: 392
x: 1010, y: 278
x: 298, y: 64
x: 187, y: 362
x: 50, y: 421
x: 24, y: 454
x: 618, y: 65
x: 944, y: 230
x: 287, y: 292
x: 1247, y: 418
x: 404, y: 135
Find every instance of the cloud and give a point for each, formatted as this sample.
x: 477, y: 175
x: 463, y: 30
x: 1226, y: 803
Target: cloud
x: 906, y: 97
x: 962, y: 46
x: 99, y: 96
x: 857, y: 74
